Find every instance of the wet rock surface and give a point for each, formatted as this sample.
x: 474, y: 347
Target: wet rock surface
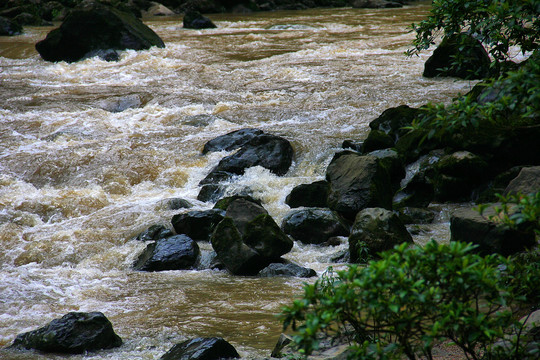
x: 74, y: 333
x: 177, y: 252
x: 202, y: 349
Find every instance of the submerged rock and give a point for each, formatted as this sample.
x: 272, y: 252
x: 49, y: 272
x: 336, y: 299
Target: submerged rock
x: 314, y: 225
x: 155, y: 232
x: 178, y: 252
x: 376, y: 230
x: 231, y: 141
x: 94, y: 27
x: 74, y: 333
x: 473, y: 59
x: 202, y: 349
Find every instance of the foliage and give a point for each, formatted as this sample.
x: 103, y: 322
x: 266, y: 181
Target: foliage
x: 499, y: 24
x: 402, y: 304
x: 509, y: 103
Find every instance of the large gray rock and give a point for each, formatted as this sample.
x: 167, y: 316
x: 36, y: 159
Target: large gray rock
x: 242, y: 210
x: 265, y: 236
x: 197, y: 224
x: 527, y: 181
x: 177, y: 252
x: 467, y: 225
x: 376, y: 230
x: 74, y: 333
x: 472, y: 59
x: 357, y: 182
x: 201, y: 349
x: 94, y: 27
x: 314, y: 225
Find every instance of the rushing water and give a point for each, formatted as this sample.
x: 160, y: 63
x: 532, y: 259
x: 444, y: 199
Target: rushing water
x: 78, y: 182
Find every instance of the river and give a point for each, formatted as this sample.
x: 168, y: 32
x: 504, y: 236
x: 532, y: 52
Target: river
x: 78, y: 182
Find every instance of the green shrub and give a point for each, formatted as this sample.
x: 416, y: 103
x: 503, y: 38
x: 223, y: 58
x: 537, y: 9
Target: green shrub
x: 404, y: 303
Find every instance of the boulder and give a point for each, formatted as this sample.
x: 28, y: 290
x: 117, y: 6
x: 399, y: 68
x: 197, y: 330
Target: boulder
x: 393, y: 120
x: 155, y: 232
x: 314, y: 225
x: 231, y: 251
x: 243, y: 210
x: 231, y: 141
x: 376, y: 230
x: 357, y: 182
x: 472, y: 59
x: 417, y: 188
x: 9, y: 28
x: 456, y: 175
x: 177, y: 252
x: 74, y: 333
x: 265, y: 236
x: 194, y: 20
x: 309, y: 195
x: 269, y: 151
x: 224, y: 203
x: 467, y: 225
x: 201, y: 349
x: 412, y: 215
x: 354, y: 145
x: 391, y: 162
x: 527, y: 181
x: 157, y: 9
x: 377, y: 140
x: 197, y: 224
x: 290, y: 269
x: 95, y: 26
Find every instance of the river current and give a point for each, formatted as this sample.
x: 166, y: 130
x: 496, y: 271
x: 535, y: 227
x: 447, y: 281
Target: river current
x: 80, y: 179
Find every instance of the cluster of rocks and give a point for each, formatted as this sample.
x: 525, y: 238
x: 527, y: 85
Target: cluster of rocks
x: 79, y: 333
x: 14, y: 14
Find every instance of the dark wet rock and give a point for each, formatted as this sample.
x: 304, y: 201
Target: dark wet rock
x: 155, y: 232
x: 224, y: 203
x: 314, y: 225
x: 242, y: 210
x: 178, y: 203
x: 283, y: 341
x: 412, y: 215
x: 194, y: 20
x: 269, y: 151
x: 355, y: 145
x: 197, y: 224
x: 211, y: 192
x: 473, y: 59
x: 376, y: 230
x: 456, y: 175
x: 377, y: 140
x: 497, y: 185
x: 177, y: 252
x: 231, y: 251
x: 9, y: 28
x: 357, y: 182
x: 412, y: 145
x: 309, y: 195
x: 290, y: 269
x: 527, y: 181
x: 416, y: 188
x: 93, y: 27
x: 375, y: 4
x: 74, y: 333
x: 467, y: 225
x: 202, y: 349
x: 391, y: 162
x: 393, y: 120
x: 266, y: 237
x: 105, y: 55
x: 216, y: 177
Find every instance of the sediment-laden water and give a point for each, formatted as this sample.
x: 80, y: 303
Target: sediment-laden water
x: 78, y: 181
